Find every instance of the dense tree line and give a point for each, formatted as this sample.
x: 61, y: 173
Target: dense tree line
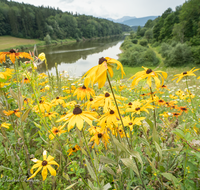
x: 28, y: 21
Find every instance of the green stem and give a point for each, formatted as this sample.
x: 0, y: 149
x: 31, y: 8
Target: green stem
x: 154, y: 110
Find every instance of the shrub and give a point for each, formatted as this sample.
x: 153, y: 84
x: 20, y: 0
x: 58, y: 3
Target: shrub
x: 155, y: 44
x: 135, y: 41
x: 47, y: 39
x: 143, y: 42
x: 164, y: 49
x: 196, y: 54
x: 178, y: 55
x: 150, y: 58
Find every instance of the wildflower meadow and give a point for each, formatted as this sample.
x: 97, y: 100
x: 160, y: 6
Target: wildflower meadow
x: 93, y: 132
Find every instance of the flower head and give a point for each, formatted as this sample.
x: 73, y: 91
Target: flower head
x: 149, y: 74
x: 56, y: 131
x: 44, y: 165
x: 98, y: 73
x: 83, y: 92
x: 184, y: 74
x: 12, y: 54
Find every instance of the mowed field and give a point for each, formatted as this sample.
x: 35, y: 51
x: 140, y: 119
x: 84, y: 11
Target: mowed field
x: 10, y: 42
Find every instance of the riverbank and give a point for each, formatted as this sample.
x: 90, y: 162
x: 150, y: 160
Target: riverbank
x: 22, y: 44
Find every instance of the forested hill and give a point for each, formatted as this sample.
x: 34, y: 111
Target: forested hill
x: 28, y: 21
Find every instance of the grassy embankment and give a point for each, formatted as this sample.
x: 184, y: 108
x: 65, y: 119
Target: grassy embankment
x: 9, y: 42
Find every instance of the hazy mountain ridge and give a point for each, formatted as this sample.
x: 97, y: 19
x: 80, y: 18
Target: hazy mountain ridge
x: 138, y: 21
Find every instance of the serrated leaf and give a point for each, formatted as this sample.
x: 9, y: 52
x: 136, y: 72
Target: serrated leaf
x: 25, y: 115
x: 107, y: 160
x: 131, y: 165
x: 109, y: 170
x: 90, y: 170
x: 72, y: 185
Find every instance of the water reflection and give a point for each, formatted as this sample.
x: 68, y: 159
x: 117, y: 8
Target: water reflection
x: 79, y: 57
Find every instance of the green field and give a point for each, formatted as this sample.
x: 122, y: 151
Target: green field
x: 11, y: 42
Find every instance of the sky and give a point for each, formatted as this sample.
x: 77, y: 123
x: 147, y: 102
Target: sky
x: 114, y: 9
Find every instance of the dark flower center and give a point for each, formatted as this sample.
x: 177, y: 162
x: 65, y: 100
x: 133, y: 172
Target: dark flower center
x: 107, y: 94
x: 57, y: 97
x: 74, y: 149
x: 184, y: 109
x: 185, y: 73
x: 41, y: 101
x: 49, y: 113
x: 83, y: 87
x: 148, y: 71
x: 77, y: 110
x: 56, y: 131
x: 100, y: 135
x: 130, y: 104
x: 91, y: 99
x: 112, y: 112
x: 137, y: 109
x: 12, y: 51
x: 120, y: 130
x: 15, y: 111
x: 44, y: 163
x: 130, y: 123
x: 25, y: 78
x: 160, y: 101
x: 163, y: 86
x: 101, y: 60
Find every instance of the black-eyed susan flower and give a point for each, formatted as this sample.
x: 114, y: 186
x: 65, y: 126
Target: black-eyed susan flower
x: 56, y: 131
x: 184, y: 74
x: 8, y: 113
x: 44, y: 165
x: 83, y: 92
x: 183, y: 109
x: 77, y: 117
x: 12, y: 54
x: 74, y: 149
x: 111, y: 117
x: 100, y: 136
x: 51, y: 115
x: 58, y: 100
x: 5, y: 125
x: 149, y: 74
x: 99, y: 73
x: 43, y: 106
x: 26, y: 80
x: 130, y: 122
x: 176, y: 114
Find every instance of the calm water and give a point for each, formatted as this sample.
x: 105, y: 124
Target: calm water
x: 77, y: 58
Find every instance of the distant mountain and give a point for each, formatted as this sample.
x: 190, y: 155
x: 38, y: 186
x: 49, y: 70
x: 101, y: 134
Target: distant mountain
x: 121, y: 20
x: 138, y: 21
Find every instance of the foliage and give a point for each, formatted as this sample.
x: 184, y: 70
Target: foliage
x: 178, y: 55
x: 47, y: 39
x: 27, y: 21
x: 143, y: 42
x: 135, y: 41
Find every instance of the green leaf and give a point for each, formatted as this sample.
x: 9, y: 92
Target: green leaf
x: 72, y: 185
x: 109, y: 170
x: 107, y: 160
x: 137, y: 155
x: 13, y: 94
x: 90, y: 170
x: 96, y: 164
x: 5, y: 168
x: 120, y: 145
x: 171, y: 178
x: 131, y: 165
x: 25, y: 115
x: 159, y: 150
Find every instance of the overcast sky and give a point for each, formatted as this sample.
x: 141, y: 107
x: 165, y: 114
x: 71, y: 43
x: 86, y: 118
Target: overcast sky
x: 110, y: 8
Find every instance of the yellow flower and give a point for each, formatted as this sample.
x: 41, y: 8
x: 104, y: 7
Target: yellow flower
x: 99, y: 73
x: 44, y: 165
x: 78, y: 117
x: 12, y: 54
x: 56, y: 131
x: 58, y: 100
x: 184, y: 74
x: 133, y: 121
x: 51, y: 114
x: 43, y: 106
x: 5, y: 125
x: 6, y: 73
x: 83, y: 92
x: 74, y: 149
x: 41, y: 56
x: 100, y: 135
x: 149, y: 74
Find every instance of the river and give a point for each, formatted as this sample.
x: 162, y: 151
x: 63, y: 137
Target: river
x: 77, y: 58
